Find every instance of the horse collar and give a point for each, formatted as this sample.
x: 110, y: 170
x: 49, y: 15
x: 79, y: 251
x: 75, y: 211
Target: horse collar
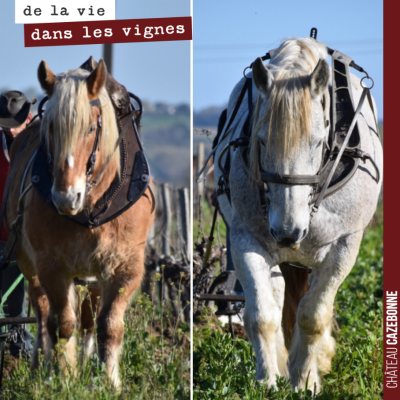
x: 122, y: 193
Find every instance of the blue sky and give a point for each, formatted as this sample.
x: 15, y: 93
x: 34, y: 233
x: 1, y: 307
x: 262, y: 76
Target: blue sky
x: 154, y: 71
x: 229, y: 34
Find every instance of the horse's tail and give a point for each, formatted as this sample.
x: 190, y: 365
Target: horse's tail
x: 296, y: 286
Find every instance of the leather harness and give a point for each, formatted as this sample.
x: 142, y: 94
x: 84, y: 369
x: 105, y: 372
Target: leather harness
x: 121, y: 195
x: 339, y: 163
x: 340, y: 160
x: 123, y: 192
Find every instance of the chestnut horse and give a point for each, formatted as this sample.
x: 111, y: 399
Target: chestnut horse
x: 53, y: 250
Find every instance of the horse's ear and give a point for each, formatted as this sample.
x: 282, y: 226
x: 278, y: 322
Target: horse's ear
x: 46, y: 78
x: 89, y: 65
x: 319, y: 78
x: 96, y: 80
x: 262, y: 77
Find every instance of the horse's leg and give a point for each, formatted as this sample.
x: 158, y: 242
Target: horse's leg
x: 278, y: 290
x: 61, y: 322
x: 326, y: 351
x: 90, y: 308
x: 262, y: 314
x: 312, y: 343
x: 40, y: 306
x: 110, y: 322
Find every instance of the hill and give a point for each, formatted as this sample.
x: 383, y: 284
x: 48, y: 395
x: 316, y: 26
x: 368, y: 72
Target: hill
x: 166, y: 139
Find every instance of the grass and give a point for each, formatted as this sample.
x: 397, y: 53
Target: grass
x: 206, y: 222
x: 154, y: 364
x: 225, y: 367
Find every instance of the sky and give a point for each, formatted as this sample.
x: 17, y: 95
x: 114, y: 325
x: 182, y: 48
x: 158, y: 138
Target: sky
x: 157, y: 72
x: 230, y: 34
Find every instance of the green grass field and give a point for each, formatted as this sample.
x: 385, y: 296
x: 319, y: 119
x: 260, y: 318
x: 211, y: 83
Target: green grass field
x: 155, y: 364
x: 224, y: 368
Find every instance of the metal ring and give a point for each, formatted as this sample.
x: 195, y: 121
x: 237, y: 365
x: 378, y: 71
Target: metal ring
x: 145, y: 178
x: 244, y: 71
x: 367, y: 77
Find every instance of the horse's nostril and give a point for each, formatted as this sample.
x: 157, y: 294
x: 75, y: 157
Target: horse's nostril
x: 289, y: 239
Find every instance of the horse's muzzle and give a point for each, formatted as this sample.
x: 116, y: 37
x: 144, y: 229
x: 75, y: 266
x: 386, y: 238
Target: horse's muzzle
x: 69, y: 203
x: 289, y: 239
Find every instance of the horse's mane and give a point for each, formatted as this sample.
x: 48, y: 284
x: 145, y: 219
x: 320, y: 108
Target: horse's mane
x: 289, y: 109
x: 68, y: 116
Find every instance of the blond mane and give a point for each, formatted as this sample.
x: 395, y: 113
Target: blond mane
x: 289, y: 108
x: 68, y: 117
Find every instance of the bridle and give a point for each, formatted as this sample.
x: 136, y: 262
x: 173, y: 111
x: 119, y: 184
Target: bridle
x: 90, y: 181
x: 92, y: 159
x: 290, y: 179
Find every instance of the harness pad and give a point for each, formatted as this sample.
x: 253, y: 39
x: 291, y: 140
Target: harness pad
x: 123, y: 193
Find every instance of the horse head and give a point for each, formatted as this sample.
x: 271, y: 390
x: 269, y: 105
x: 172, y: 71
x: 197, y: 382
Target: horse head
x: 80, y: 131
x: 290, y: 130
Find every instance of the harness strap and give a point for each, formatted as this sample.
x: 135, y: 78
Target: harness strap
x: 250, y: 96
x: 140, y: 111
x: 371, y: 104
x: 363, y: 155
x: 103, y: 168
x: 92, y: 159
x: 288, y: 179
x: 40, y: 106
x: 342, y: 149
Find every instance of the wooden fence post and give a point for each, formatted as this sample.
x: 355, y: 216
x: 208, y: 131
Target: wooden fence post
x: 167, y: 216
x: 184, y: 221
x: 200, y: 164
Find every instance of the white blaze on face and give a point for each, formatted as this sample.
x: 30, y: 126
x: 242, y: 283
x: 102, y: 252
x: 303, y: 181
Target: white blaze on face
x: 80, y: 185
x: 70, y: 161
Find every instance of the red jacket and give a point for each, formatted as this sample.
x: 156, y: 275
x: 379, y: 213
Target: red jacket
x: 4, y: 170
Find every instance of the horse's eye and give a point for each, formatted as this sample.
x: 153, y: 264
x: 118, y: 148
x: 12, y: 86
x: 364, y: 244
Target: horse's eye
x: 319, y: 143
x: 326, y: 123
x: 92, y: 129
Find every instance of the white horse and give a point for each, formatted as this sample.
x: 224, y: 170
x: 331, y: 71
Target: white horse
x: 290, y: 127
